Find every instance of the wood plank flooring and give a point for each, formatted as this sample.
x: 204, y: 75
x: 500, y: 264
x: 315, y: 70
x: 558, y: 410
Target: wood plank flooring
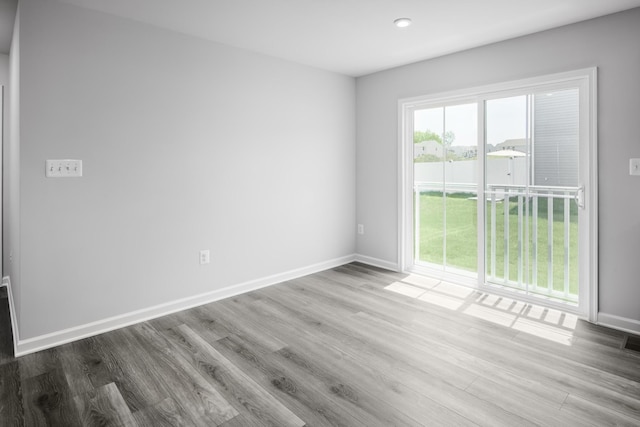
x: 351, y: 346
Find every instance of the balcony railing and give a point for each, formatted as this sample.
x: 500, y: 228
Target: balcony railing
x: 531, y: 235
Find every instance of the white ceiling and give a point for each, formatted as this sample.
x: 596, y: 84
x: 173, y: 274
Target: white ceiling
x: 357, y: 37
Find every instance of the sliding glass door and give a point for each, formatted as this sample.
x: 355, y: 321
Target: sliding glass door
x: 519, y: 160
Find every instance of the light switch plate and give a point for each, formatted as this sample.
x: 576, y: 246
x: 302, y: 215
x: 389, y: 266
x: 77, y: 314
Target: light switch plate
x: 65, y: 168
x: 634, y: 166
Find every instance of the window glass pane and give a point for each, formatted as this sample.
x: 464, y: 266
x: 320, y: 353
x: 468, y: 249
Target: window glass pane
x: 461, y: 175
x: 445, y: 183
x: 428, y: 155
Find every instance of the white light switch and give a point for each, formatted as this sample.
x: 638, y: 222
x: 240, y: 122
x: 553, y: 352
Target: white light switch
x: 634, y: 166
x: 63, y: 168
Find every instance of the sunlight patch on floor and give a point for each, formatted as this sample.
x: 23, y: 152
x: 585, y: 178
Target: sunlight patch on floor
x: 405, y: 289
x: 545, y: 331
x: 442, y: 300
x: 534, y: 312
x: 453, y: 290
x: 421, y: 281
x: 502, y: 303
x: 491, y: 315
x: 549, y: 324
x: 569, y: 321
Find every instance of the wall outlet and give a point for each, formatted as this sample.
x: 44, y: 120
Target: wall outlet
x: 360, y: 228
x: 205, y: 257
x: 634, y: 166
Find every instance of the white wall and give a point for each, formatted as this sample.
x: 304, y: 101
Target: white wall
x: 167, y: 127
x: 610, y: 43
x: 4, y: 69
x: 11, y: 171
x: 4, y: 123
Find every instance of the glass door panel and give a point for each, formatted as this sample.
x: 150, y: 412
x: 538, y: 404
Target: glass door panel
x: 531, y: 185
x: 445, y: 189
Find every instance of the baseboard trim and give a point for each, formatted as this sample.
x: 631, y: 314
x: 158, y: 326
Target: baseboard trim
x: 620, y: 323
x: 42, y: 342
x: 375, y: 262
x: 6, y: 282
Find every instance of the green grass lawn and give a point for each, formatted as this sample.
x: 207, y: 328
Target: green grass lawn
x: 461, y: 238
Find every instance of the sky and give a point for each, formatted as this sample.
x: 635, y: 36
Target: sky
x: 506, y: 119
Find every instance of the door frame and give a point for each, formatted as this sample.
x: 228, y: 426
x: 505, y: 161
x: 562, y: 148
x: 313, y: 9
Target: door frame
x: 586, y: 80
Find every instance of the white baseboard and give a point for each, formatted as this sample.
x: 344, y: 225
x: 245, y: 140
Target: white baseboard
x: 6, y: 281
x: 31, y: 345
x: 375, y: 262
x: 620, y: 323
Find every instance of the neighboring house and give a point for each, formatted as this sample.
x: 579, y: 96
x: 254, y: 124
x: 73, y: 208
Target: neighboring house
x: 464, y: 151
x: 512, y: 144
x: 555, y: 139
x: 427, y: 147
x: 435, y: 148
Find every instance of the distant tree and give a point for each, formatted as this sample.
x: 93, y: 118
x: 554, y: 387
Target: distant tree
x: 427, y: 135
x: 449, y: 137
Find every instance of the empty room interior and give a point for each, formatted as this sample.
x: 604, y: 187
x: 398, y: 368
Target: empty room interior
x: 320, y: 213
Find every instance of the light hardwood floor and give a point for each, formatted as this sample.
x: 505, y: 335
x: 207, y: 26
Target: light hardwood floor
x: 351, y: 346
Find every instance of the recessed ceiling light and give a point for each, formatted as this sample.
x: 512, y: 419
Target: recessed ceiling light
x: 402, y: 22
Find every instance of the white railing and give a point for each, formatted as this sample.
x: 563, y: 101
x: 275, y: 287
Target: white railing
x: 501, y: 199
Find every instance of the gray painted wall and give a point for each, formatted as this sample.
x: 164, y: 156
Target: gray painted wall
x: 187, y: 145
x: 10, y: 172
x: 4, y: 83
x: 4, y: 69
x: 610, y: 43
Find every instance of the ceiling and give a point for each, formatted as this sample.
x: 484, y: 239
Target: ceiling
x: 356, y: 37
